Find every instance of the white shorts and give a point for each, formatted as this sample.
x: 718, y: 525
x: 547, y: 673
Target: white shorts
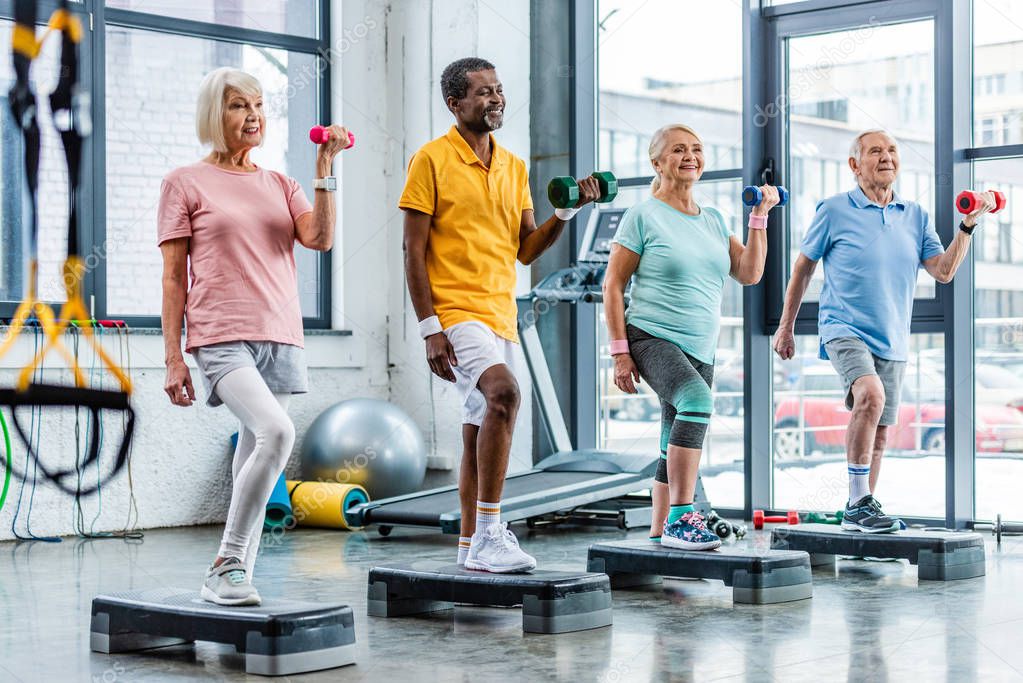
x: 477, y: 349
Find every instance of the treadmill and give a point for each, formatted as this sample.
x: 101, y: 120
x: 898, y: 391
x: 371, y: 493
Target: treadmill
x: 590, y: 485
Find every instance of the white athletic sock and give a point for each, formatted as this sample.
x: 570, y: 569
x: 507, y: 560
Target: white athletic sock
x: 859, y: 482
x: 487, y: 514
x: 463, y: 548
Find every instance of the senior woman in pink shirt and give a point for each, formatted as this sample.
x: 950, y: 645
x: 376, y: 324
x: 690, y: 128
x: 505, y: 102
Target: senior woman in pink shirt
x: 232, y: 226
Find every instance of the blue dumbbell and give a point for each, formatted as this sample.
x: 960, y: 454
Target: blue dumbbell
x: 751, y: 195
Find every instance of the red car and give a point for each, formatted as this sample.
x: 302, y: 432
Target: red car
x: 921, y: 424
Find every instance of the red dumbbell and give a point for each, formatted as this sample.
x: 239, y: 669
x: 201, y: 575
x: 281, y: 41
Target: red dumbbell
x: 968, y: 201
x: 759, y: 518
x: 319, y: 135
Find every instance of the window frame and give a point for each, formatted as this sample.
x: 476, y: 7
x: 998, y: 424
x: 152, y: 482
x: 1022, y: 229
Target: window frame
x: 952, y: 309
x: 96, y: 17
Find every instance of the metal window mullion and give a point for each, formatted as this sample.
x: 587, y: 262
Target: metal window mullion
x: 325, y: 276
x: 774, y: 11
x: 707, y: 177
x: 210, y: 31
x: 92, y: 210
x: 758, y: 404
x: 994, y: 152
x: 582, y: 156
x: 953, y: 130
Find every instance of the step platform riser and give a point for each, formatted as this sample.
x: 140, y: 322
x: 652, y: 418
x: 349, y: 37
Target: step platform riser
x: 756, y: 577
x: 552, y: 602
x: 939, y: 555
x: 278, y: 638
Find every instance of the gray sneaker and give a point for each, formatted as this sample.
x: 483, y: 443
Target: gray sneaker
x: 866, y: 515
x: 229, y: 585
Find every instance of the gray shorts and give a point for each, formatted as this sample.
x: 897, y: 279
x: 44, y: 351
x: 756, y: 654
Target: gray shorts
x: 282, y: 366
x: 852, y: 360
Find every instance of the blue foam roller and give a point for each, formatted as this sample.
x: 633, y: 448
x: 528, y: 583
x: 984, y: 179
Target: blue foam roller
x: 278, y: 508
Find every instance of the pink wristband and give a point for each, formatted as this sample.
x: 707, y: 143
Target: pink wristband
x: 619, y: 346
x: 757, y: 222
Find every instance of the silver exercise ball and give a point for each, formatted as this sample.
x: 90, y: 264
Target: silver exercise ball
x: 368, y: 442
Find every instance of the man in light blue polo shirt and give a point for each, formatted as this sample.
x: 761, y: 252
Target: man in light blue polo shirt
x: 872, y: 243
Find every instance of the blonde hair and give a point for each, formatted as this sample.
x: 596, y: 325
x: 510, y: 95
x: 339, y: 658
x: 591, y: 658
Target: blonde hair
x: 209, y: 111
x: 659, y: 140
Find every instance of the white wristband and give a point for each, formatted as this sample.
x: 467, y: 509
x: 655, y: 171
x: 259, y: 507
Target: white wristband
x: 429, y: 327
x: 565, y: 214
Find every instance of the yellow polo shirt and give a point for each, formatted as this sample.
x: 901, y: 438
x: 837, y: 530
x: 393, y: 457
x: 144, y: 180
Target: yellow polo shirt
x: 474, y: 235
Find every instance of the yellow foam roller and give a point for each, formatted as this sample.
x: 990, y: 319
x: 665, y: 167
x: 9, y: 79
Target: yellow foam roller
x: 323, y: 503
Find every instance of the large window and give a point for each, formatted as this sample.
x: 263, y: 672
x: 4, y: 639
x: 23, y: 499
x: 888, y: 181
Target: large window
x: 998, y: 259
x: 811, y: 423
x: 665, y: 61
x: 844, y: 82
x: 154, y: 55
x: 53, y: 208
x: 688, y: 71
x: 138, y: 156
x: 997, y: 72
x: 819, y: 72
x: 294, y: 17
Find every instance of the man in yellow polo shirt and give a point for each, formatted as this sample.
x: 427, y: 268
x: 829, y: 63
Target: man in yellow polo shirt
x: 468, y: 217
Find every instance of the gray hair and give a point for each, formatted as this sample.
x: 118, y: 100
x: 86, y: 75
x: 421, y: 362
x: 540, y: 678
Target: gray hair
x: 658, y: 142
x: 454, y: 82
x: 856, y: 148
x: 209, y: 110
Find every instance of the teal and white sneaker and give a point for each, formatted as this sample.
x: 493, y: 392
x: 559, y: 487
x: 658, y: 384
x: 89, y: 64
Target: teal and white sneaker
x: 689, y: 532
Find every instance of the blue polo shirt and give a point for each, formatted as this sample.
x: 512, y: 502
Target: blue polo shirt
x: 871, y: 255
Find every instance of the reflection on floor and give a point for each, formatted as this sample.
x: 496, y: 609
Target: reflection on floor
x: 866, y: 622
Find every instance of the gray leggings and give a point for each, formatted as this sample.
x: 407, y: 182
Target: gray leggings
x: 683, y: 384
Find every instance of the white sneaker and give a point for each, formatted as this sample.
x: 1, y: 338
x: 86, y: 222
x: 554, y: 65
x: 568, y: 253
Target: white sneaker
x: 497, y: 550
x: 228, y: 584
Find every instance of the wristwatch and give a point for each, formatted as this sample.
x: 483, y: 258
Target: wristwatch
x: 329, y: 183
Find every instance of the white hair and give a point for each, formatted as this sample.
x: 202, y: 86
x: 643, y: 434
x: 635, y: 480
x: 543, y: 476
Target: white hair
x: 659, y: 140
x: 856, y: 148
x: 209, y: 110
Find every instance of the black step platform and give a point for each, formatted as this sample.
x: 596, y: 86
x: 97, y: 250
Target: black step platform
x: 279, y: 637
x: 939, y: 555
x: 552, y: 602
x: 757, y: 577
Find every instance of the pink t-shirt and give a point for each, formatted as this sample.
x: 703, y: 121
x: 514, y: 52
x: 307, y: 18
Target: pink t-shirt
x: 241, y: 226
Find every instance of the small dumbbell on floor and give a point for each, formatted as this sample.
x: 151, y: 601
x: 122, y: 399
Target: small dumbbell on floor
x: 759, y: 518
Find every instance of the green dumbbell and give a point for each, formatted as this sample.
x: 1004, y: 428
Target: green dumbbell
x: 608, y: 186
x: 563, y: 191
x: 821, y: 518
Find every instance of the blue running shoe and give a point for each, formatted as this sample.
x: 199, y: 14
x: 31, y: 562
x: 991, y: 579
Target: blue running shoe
x: 690, y: 532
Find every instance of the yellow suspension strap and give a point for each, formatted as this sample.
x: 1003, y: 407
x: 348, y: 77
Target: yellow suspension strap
x: 24, y: 108
x: 70, y: 108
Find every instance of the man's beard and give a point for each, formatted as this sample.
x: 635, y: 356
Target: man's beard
x: 489, y: 123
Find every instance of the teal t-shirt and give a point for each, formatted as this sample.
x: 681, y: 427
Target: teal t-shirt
x: 683, y: 264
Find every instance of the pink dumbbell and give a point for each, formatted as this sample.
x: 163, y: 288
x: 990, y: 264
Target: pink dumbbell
x: 319, y: 135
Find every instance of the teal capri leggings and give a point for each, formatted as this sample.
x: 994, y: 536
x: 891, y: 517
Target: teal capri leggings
x: 683, y: 385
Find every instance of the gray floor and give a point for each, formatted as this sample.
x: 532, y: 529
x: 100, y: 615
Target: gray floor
x: 866, y: 622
